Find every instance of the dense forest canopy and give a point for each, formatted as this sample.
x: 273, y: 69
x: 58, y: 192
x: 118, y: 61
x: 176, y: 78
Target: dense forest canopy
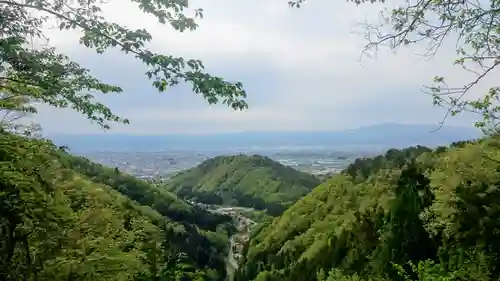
x: 430, y: 217
x: 144, y: 193
x: 361, y: 169
x: 248, y: 181
x: 413, y: 214
x: 65, y: 218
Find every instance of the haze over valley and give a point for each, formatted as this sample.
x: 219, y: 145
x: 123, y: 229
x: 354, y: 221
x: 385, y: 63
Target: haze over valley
x: 314, y: 152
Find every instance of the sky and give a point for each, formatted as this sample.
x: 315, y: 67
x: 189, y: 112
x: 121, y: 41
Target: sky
x: 302, y: 70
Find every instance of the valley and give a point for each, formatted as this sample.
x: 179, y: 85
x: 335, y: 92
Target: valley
x: 296, y: 210
x: 166, y: 163
x: 239, y: 239
x: 249, y: 217
x: 178, y: 140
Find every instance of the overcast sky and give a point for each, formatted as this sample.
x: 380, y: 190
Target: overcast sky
x: 300, y: 67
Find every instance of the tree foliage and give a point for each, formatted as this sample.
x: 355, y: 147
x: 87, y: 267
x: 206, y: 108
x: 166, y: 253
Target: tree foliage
x: 145, y: 194
x: 362, y: 168
x: 249, y: 181
x: 58, y: 221
x: 431, y: 216
x: 472, y: 25
x: 65, y: 218
x: 44, y: 75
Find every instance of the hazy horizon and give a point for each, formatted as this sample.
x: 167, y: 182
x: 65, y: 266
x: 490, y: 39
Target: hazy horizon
x: 301, y: 70
x: 364, y: 138
x: 236, y: 132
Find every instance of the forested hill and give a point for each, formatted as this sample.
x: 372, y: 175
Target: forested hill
x: 434, y: 216
x: 241, y: 180
x: 164, y: 202
x: 65, y: 218
x: 362, y: 168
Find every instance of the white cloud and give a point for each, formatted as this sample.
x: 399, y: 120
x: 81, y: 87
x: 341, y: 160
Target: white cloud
x: 229, y: 32
x: 207, y: 120
x: 301, y: 68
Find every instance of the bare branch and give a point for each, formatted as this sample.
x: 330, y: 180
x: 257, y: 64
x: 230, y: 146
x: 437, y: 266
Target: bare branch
x: 473, y: 24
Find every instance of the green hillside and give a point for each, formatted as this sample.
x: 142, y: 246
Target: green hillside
x: 434, y: 216
x: 65, y: 218
x: 249, y: 181
x: 144, y: 193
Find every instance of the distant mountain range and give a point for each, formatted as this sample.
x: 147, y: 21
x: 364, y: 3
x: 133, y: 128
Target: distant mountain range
x: 376, y: 136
